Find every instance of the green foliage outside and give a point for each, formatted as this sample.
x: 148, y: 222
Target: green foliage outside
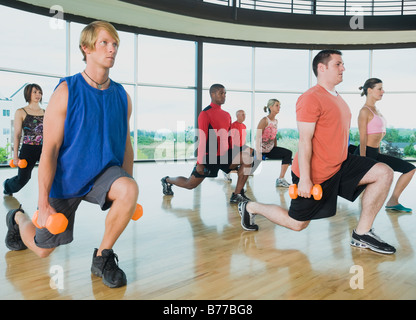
x: 396, y: 142
x: 165, y: 145
x: 170, y: 145
x: 4, y: 154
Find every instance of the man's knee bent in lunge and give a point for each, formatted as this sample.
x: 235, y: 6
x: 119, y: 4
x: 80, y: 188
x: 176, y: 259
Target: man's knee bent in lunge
x: 247, y: 161
x: 192, y: 183
x: 299, y: 225
x: 378, y: 172
x: 124, y: 189
x: 43, y: 253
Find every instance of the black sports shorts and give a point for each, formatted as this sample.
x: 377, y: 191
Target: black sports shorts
x: 344, y: 183
x: 219, y: 163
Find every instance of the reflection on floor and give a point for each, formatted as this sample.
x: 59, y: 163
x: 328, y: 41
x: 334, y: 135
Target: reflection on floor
x: 191, y: 246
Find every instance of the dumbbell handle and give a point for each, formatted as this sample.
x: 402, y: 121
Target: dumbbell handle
x: 21, y: 164
x: 56, y: 223
x: 316, y: 191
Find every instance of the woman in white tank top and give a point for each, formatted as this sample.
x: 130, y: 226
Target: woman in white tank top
x: 266, y: 138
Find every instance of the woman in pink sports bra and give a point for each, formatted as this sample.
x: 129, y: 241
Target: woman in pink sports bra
x: 372, y: 128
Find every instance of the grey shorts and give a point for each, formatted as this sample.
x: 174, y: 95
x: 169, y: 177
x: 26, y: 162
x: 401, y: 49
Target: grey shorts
x: 97, y: 195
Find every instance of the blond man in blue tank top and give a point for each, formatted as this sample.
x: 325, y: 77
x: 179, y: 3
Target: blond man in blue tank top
x: 87, y: 168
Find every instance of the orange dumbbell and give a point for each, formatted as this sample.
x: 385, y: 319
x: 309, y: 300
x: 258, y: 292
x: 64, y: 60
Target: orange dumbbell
x: 138, y: 213
x: 21, y: 164
x: 55, y: 224
x: 316, y: 191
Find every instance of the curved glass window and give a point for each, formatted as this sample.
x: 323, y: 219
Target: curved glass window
x: 328, y: 7
x: 160, y: 75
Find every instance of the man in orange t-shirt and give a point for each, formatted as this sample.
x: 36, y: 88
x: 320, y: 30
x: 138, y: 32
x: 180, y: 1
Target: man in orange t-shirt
x: 330, y: 140
x: 323, y: 120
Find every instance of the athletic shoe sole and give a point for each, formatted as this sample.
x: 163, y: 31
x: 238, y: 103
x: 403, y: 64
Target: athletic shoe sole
x: 358, y: 244
x: 166, y: 189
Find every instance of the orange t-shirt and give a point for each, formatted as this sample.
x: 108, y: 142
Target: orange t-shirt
x: 330, y: 140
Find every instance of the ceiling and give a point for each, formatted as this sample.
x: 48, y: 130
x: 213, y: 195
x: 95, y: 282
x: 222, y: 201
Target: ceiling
x: 271, y: 29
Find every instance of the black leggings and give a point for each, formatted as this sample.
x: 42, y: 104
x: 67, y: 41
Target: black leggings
x: 31, y: 153
x: 279, y: 153
x: 397, y: 164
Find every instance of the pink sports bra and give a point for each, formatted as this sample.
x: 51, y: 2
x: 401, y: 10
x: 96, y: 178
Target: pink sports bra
x: 377, y: 124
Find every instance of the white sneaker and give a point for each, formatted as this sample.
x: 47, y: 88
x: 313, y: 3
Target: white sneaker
x: 282, y: 183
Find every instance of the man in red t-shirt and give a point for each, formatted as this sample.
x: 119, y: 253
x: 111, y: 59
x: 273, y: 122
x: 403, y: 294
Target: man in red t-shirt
x: 238, y: 134
x: 239, y: 129
x: 323, y: 120
x: 215, y: 150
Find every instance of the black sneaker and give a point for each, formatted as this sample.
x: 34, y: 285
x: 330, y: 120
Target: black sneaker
x: 13, y: 240
x: 247, y: 218
x: 371, y: 241
x: 244, y: 196
x: 6, y: 193
x: 237, y: 198
x: 167, y: 187
x: 106, y: 267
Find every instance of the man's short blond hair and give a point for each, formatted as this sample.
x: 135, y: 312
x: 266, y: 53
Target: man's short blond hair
x: 89, y: 35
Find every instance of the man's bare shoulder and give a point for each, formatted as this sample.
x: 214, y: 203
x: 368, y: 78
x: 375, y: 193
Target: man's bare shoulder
x: 59, y: 98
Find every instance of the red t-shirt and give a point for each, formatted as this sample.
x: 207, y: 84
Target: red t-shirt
x: 238, y: 133
x: 214, y: 125
x: 330, y: 141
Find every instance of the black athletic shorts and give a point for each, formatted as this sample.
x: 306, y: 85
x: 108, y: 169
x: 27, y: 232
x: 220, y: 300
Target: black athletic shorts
x: 219, y: 163
x: 344, y: 183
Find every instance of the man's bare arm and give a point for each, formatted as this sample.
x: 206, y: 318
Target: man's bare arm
x: 53, y: 134
x: 306, y: 132
x: 128, y: 153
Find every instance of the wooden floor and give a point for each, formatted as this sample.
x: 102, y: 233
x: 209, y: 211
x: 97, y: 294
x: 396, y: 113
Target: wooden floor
x: 191, y: 246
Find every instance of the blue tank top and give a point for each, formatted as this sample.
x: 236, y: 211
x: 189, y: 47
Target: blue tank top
x: 95, y: 136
